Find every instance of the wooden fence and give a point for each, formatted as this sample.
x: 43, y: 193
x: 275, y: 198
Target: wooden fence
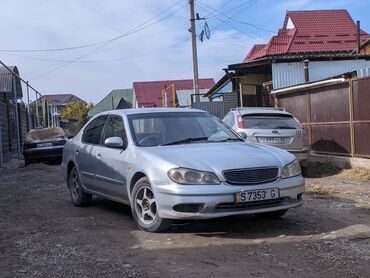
x: 337, y: 116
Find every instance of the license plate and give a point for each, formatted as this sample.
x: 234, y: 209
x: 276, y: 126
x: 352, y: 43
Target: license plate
x: 44, y: 145
x: 272, y: 140
x: 257, y: 195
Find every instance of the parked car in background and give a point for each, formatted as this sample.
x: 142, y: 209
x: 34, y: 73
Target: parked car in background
x: 175, y: 163
x: 45, y: 144
x: 270, y: 126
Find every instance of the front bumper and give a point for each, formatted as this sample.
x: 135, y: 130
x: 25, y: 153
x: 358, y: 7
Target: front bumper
x: 219, y: 200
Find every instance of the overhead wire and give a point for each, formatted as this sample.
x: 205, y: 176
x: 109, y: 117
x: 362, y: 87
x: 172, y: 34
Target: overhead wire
x: 227, y: 23
x: 231, y: 18
x: 131, y: 31
x: 91, y: 44
x: 95, y: 61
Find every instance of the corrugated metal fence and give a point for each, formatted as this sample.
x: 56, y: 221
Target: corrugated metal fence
x: 8, y: 136
x: 337, y: 116
x: 219, y: 108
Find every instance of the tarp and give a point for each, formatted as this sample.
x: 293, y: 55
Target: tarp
x: 44, y: 133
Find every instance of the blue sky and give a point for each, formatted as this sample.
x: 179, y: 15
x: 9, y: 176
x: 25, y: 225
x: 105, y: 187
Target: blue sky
x: 160, y: 50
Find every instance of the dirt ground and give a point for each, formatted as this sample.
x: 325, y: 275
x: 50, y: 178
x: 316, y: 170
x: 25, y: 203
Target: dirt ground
x: 43, y: 235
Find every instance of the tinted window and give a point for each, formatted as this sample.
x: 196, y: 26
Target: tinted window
x: 167, y: 128
x: 115, y: 128
x: 93, y: 130
x: 269, y: 121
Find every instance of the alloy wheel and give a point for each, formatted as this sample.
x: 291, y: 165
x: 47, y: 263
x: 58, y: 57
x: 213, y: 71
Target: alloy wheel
x: 145, y: 205
x: 75, y: 185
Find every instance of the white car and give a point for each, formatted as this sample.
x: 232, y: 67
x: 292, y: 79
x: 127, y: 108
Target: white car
x: 178, y: 164
x: 270, y: 126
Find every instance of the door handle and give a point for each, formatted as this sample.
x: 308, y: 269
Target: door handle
x: 77, y: 151
x: 99, y: 155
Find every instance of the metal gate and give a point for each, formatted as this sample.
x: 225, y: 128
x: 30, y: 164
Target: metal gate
x: 337, y: 116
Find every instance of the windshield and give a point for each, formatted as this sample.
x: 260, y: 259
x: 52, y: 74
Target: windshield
x: 269, y: 121
x: 170, y: 128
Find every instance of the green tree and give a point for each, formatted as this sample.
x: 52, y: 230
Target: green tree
x: 77, y: 111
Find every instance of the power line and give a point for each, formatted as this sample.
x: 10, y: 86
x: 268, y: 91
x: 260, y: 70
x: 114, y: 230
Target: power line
x: 230, y: 18
x: 225, y: 22
x: 64, y: 61
x: 206, y: 16
x: 132, y: 31
x: 237, y: 7
x: 94, y: 61
x: 91, y: 44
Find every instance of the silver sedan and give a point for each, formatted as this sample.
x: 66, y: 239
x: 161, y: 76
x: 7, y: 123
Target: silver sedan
x: 178, y: 164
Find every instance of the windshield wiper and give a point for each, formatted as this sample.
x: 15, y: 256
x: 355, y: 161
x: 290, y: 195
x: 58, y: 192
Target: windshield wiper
x: 226, y: 140
x: 187, y: 140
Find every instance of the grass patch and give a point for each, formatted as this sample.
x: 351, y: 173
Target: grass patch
x: 356, y: 173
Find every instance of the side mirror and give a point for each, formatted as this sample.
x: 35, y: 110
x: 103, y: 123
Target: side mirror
x: 243, y: 135
x: 114, y: 142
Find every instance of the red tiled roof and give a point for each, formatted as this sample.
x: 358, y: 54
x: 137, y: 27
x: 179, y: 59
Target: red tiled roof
x: 312, y: 31
x: 149, y: 93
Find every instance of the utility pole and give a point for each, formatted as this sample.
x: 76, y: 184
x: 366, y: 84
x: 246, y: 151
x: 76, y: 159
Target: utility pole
x: 194, y: 48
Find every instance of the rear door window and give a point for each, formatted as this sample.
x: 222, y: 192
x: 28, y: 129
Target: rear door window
x: 270, y: 121
x: 93, y: 131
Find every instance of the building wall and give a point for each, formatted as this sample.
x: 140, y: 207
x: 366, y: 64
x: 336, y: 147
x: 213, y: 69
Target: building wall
x: 250, y: 90
x: 365, y: 50
x: 289, y: 74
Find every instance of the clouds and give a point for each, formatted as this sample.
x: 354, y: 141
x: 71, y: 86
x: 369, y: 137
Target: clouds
x: 161, y: 51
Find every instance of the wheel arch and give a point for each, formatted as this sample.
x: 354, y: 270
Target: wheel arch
x: 70, y: 165
x: 137, y: 176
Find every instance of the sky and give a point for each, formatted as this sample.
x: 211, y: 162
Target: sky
x: 123, y: 41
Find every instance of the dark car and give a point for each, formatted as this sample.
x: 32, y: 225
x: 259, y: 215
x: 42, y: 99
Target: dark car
x: 44, y: 144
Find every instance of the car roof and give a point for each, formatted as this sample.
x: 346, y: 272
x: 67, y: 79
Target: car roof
x: 134, y: 111
x: 261, y: 110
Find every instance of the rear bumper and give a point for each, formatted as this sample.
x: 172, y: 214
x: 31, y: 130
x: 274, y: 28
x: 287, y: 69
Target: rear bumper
x: 48, y: 153
x: 214, y: 201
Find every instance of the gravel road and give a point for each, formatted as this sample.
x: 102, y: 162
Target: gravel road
x: 43, y: 235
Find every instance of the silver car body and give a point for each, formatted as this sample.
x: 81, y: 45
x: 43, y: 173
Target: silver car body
x: 111, y: 173
x: 293, y: 140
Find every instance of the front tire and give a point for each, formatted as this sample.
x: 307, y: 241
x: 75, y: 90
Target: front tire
x: 78, y: 196
x: 144, y: 208
x: 271, y: 214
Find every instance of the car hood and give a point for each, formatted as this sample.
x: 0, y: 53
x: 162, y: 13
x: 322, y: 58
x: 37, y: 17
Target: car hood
x: 217, y: 157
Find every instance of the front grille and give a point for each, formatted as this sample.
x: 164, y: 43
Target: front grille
x: 251, y: 176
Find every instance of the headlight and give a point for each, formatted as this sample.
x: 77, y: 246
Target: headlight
x: 189, y: 176
x: 292, y: 169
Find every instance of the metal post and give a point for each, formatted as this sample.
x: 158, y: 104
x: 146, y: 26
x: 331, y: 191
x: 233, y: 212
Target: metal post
x: 305, y: 70
x: 358, y: 35
x: 194, y: 50
x: 28, y: 106
x: 37, y: 111
x: 351, y: 117
x: 17, y: 118
x: 173, y: 95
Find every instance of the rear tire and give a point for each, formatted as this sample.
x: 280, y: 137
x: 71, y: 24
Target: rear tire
x: 78, y: 196
x: 144, y: 208
x: 271, y: 214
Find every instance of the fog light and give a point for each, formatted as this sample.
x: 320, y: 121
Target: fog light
x: 194, y: 208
